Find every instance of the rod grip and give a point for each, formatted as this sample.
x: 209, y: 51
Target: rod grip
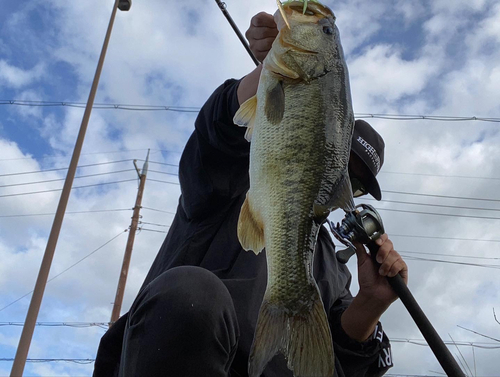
x: 442, y: 353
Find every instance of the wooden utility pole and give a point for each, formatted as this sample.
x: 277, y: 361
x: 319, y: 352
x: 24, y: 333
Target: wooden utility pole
x: 41, y: 282
x: 130, y: 243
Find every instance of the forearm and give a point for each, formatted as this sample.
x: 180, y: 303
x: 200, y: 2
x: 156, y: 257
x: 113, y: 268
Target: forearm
x: 361, y: 317
x: 248, y: 85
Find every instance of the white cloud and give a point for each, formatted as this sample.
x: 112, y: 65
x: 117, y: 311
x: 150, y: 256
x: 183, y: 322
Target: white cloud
x: 15, y: 77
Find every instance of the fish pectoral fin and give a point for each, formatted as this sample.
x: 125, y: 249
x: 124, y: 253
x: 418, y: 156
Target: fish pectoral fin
x: 275, y: 104
x: 343, y: 198
x: 245, y: 116
x: 305, y: 339
x: 250, y: 231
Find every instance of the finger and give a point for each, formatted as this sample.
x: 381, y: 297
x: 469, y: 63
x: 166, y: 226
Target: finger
x: 263, y: 19
x: 384, y: 237
x: 360, y: 253
x: 258, y: 33
x: 263, y: 45
x: 388, y: 264
x: 396, y: 268
x: 385, y: 248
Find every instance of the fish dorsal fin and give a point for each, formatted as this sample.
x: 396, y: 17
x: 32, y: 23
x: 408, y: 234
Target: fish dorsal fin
x: 245, y: 116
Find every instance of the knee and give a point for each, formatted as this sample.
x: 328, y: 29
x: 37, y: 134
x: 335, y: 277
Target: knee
x: 188, y: 294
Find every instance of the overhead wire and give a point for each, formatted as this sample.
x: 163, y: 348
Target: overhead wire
x: 451, y: 262
x: 63, y: 179
x: 77, y: 361
x: 72, y: 188
x: 158, y: 210
x: 157, y: 180
x: 433, y: 205
x: 440, y: 196
x: 162, y: 225
x: 438, y: 214
x: 151, y: 230
x: 70, y: 267
x: 448, y: 255
x: 93, y: 153
x: 104, y: 325
x: 438, y: 175
x: 195, y: 109
x: 65, y: 168
x: 68, y: 212
x: 443, y: 238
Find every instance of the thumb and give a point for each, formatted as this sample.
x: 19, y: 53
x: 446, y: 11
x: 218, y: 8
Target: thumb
x: 361, y: 253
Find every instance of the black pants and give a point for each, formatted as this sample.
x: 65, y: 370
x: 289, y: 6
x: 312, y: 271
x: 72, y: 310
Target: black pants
x: 182, y: 324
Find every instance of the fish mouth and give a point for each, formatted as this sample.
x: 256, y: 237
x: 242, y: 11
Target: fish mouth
x: 296, y: 48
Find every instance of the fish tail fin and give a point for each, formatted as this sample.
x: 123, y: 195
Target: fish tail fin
x: 250, y: 231
x: 305, y: 340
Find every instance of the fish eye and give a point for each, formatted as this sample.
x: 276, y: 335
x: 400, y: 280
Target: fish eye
x: 328, y: 30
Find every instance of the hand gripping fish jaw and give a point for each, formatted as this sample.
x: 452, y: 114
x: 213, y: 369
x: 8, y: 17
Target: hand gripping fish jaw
x: 364, y: 225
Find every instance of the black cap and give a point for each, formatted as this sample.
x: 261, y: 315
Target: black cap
x: 369, y: 146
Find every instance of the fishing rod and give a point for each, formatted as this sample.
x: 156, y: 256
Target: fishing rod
x: 223, y: 7
x: 365, y: 226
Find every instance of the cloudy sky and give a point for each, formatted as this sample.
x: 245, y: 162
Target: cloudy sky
x: 440, y: 181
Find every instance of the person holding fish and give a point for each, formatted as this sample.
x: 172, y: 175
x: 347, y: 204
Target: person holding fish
x: 210, y: 308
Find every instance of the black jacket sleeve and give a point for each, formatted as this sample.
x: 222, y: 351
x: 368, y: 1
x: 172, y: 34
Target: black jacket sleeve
x: 214, y: 166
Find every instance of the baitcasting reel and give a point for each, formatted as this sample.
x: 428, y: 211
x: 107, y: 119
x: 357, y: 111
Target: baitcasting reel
x: 363, y: 226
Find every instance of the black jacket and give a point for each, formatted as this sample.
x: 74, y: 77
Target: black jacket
x: 214, y: 179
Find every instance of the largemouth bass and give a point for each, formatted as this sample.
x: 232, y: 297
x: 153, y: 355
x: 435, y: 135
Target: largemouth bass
x: 300, y: 124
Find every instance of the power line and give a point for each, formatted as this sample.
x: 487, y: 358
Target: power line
x: 163, y: 225
x: 448, y: 255
x: 104, y: 325
x: 443, y: 238
x: 162, y: 172
x: 56, y: 169
x: 438, y: 214
x: 192, y: 109
x: 73, y: 265
x: 161, y: 163
x: 77, y: 361
x: 62, y: 179
x: 433, y: 205
x: 438, y: 175
x: 156, y: 180
x: 450, y: 262
x: 68, y: 212
x: 440, y: 196
x: 75, y: 187
x: 92, y: 153
x: 422, y: 342
x: 151, y: 230
x: 158, y: 210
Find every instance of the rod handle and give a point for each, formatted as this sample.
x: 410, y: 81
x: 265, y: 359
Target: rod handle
x: 442, y: 353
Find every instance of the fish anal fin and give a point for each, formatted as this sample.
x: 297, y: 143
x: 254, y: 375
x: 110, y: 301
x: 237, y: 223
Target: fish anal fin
x: 245, y: 116
x: 305, y: 340
x: 250, y: 231
x: 275, y: 103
